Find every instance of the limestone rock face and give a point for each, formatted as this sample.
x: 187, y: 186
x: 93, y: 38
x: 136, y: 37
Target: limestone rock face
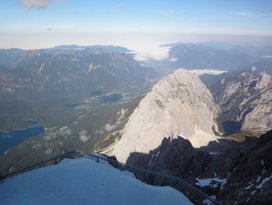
x: 246, y: 98
x: 265, y: 81
x: 178, y: 105
x: 259, y: 120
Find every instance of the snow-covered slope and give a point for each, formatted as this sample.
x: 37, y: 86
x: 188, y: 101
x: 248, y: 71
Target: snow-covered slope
x: 179, y: 104
x: 84, y: 181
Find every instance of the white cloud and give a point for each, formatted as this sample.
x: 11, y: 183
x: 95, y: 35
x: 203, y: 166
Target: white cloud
x: 83, y: 135
x: 51, y: 136
x: 155, y: 52
x: 165, y: 13
x: 37, y: 4
x: 208, y: 71
x: 35, y: 146
x: 254, y: 14
x: 118, y: 6
x: 241, y: 13
x: 172, y: 59
x: 139, y: 42
x: 48, y: 151
x: 122, y: 113
x: 64, y: 131
x: 109, y: 127
x: 121, y: 116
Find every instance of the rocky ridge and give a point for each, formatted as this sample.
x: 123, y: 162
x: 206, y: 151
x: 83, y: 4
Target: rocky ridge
x: 178, y: 105
x: 165, y: 135
x: 245, y: 100
x: 240, y: 173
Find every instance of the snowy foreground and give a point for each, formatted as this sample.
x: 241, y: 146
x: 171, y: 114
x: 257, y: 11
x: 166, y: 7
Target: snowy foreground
x: 84, y: 181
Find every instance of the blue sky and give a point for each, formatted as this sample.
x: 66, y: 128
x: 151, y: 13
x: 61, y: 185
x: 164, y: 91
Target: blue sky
x: 45, y: 23
x: 242, y: 17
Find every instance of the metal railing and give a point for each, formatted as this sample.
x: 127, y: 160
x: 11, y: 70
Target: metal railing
x: 54, y: 160
x: 195, y: 195
x: 192, y: 192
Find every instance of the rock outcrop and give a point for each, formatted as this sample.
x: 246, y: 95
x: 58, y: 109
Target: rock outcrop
x: 245, y: 100
x: 250, y: 180
x: 178, y: 105
x: 179, y: 158
x: 239, y: 173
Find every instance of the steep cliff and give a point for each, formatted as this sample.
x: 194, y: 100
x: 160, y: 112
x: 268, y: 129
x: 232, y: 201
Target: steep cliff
x: 178, y: 105
x: 234, y: 172
x: 245, y: 100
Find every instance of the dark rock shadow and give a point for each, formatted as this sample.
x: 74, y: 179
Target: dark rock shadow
x: 239, y: 162
x: 179, y: 158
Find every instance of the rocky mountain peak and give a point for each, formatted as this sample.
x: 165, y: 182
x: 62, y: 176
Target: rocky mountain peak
x: 178, y: 105
x: 264, y: 81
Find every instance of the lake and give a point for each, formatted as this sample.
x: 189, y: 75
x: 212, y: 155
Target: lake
x: 15, y: 137
x: 112, y: 98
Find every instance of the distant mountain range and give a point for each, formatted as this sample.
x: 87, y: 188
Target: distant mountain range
x: 69, y: 70
x: 200, y: 56
x: 216, y: 56
x: 95, y: 98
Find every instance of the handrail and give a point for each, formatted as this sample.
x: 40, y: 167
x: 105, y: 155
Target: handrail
x: 4, y: 177
x: 166, y: 176
x: 122, y: 166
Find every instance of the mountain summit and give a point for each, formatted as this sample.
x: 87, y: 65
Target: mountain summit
x: 178, y: 105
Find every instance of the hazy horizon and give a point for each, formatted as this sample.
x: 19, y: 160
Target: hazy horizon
x: 146, y: 45
x: 141, y: 26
